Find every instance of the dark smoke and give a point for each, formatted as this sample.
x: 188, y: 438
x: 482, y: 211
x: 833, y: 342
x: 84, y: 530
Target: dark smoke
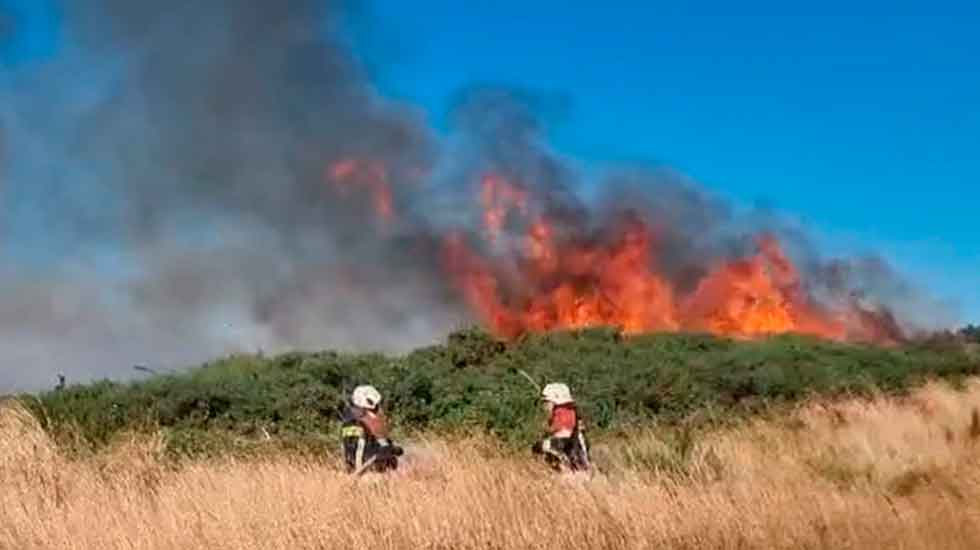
x: 171, y: 166
x: 188, y: 141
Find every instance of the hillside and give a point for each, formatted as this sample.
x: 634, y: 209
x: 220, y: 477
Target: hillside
x: 471, y: 385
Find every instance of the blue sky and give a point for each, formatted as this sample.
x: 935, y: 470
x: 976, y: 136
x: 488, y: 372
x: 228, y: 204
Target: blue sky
x: 865, y: 127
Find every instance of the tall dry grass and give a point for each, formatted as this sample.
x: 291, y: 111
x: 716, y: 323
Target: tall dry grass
x: 897, y: 474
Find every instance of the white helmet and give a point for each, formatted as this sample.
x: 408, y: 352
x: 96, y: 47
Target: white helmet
x: 559, y: 394
x: 366, y: 397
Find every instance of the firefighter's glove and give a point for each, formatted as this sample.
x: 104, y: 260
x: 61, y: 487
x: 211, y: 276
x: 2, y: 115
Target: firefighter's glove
x: 389, y: 451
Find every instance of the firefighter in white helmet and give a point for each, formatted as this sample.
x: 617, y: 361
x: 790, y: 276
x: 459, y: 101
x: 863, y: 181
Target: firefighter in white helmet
x: 565, y: 446
x: 365, y: 433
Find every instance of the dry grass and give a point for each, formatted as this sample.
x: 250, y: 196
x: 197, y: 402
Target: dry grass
x: 883, y: 474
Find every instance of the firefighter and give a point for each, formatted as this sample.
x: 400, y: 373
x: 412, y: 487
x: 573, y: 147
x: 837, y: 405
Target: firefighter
x: 565, y: 447
x: 365, y: 434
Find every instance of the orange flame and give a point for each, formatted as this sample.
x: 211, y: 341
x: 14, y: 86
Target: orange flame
x: 571, y: 285
x: 562, y: 277
x: 756, y: 297
x: 598, y: 285
x: 372, y: 175
x: 498, y: 197
x: 567, y: 282
x: 479, y: 286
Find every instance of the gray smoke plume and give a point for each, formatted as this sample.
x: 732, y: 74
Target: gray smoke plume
x: 170, y: 192
x: 174, y: 156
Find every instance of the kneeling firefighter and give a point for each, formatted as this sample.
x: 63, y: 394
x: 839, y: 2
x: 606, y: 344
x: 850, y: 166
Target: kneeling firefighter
x: 365, y: 434
x: 565, y: 447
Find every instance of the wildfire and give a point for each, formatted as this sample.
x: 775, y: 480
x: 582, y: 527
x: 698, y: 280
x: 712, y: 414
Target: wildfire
x: 583, y: 284
x: 566, y: 278
x: 757, y: 296
x: 370, y: 175
x: 566, y: 275
x: 498, y: 197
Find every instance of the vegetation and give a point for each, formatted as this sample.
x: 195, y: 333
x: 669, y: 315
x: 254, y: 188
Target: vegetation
x: 858, y: 447
x: 471, y: 386
x: 877, y: 473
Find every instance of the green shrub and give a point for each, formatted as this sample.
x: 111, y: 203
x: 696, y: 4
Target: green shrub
x: 473, y: 384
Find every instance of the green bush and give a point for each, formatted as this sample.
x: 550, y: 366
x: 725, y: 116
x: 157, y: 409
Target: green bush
x: 473, y: 384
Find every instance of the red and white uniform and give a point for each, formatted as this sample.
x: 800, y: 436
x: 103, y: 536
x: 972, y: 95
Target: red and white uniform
x: 563, y: 421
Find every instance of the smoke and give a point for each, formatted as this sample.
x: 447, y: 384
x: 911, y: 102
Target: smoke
x: 166, y: 193
x: 171, y: 163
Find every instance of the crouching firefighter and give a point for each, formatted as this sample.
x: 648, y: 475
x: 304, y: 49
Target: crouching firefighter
x: 367, y: 446
x: 565, y: 447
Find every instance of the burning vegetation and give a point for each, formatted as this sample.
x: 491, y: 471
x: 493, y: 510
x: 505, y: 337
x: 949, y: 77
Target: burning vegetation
x: 267, y: 196
x: 561, y: 276
x: 524, y: 270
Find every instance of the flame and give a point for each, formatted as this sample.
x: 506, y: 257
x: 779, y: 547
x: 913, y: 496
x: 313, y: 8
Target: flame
x: 561, y: 277
x: 479, y: 285
x: 756, y: 297
x: 565, y: 275
x: 872, y: 325
x: 498, y: 197
x: 371, y: 175
x: 593, y: 285
x: 568, y: 285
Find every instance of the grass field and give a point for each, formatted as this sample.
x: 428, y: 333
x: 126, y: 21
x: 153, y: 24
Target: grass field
x: 881, y: 472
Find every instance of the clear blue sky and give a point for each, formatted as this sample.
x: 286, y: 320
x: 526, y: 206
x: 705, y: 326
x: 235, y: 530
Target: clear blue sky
x: 866, y: 127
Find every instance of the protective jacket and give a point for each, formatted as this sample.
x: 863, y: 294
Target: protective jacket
x: 365, y: 436
x: 565, y: 446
